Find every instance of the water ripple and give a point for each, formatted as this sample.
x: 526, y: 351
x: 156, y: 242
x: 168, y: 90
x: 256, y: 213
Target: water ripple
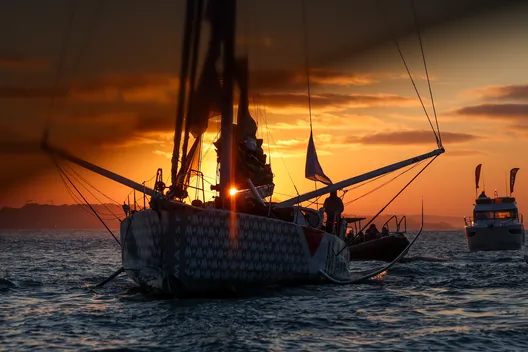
x: 441, y: 298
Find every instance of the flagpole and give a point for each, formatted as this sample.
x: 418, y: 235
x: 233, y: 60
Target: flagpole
x: 506, y: 183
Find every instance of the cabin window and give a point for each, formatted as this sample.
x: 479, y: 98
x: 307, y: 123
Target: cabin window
x: 490, y: 215
x: 483, y: 215
x: 505, y: 214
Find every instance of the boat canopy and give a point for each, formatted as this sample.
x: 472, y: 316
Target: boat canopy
x: 353, y: 220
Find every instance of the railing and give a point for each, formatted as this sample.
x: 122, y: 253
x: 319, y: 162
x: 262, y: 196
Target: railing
x: 398, y: 223
x: 199, y: 177
x: 468, y: 221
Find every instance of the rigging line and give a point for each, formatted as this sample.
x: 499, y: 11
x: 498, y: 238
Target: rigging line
x: 89, y: 184
x: 391, y: 33
x: 88, y: 37
x: 88, y: 204
x: 384, y: 184
x: 271, y: 139
x: 305, y: 39
x: 93, y: 195
x: 280, y: 155
x: 58, y: 74
x: 390, y: 201
x: 413, y: 5
x: 76, y: 198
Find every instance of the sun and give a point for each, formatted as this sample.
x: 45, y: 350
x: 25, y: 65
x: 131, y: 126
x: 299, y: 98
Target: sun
x: 233, y: 191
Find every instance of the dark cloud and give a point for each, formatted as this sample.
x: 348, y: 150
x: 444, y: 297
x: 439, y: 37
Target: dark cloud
x: 295, y: 80
x: 162, y: 88
x: 509, y: 92
x: 140, y: 88
x: 19, y: 148
x: 16, y: 62
x: 496, y: 111
x: 411, y: 138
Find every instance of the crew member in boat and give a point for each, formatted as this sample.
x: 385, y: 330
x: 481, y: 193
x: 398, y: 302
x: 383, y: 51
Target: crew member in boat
x: 333, y: 208
x: 372, y: 232
x: 384, y: 231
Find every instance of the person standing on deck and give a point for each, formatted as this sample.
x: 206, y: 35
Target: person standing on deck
x: 333, y: 208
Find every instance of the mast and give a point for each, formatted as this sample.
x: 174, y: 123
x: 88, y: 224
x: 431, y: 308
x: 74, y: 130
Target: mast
x: 197, y: 25
x: 227, y: 10
x: 360, y: 178
x: 180, y: 112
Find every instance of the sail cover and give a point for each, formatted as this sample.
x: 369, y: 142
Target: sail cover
x: 313, y: 170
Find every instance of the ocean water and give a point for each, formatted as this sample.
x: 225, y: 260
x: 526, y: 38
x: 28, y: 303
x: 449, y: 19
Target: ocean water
x: 441, y: 298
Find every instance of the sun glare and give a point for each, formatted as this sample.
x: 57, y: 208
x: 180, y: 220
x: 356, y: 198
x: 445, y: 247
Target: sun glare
x: 233, y: 191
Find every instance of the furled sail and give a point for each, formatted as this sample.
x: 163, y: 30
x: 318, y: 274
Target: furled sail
x: 313, y: 170
x: 248, y: 157
x: 513, y: 174
x: 206, y: 99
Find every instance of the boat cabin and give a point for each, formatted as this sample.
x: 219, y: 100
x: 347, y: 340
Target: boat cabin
x: 497, y: 211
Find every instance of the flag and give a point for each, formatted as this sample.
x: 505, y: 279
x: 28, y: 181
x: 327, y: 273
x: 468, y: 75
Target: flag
x: 513, y: 173
x: 313, y: 170
x: 477, y: 175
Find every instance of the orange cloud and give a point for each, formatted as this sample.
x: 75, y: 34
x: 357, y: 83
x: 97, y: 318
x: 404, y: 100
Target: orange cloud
x: 332, y: 101
x: 464, y: 153
x: 415, y: 137
x: 496, y: 111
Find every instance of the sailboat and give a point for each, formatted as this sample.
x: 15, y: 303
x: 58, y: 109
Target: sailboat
x: 240, y: 239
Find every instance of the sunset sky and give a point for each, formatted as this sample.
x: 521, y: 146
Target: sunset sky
x: 116, y: 98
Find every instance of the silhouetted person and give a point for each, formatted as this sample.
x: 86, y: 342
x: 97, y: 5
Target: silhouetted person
x: 126, y: 209
x: 333, y: 208
x: 372, y: 232
x: 384, y: 231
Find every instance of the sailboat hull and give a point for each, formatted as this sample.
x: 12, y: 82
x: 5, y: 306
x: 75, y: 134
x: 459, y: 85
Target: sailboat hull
x: 185, y: 251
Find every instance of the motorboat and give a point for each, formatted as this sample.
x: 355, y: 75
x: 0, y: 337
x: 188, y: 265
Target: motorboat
x: 496, y: 223
x: 385, y: 246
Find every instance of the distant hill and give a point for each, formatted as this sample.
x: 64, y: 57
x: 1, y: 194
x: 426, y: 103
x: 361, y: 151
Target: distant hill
x: 74, y: 217
x: 77, y: 217
x: 431, y: 222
